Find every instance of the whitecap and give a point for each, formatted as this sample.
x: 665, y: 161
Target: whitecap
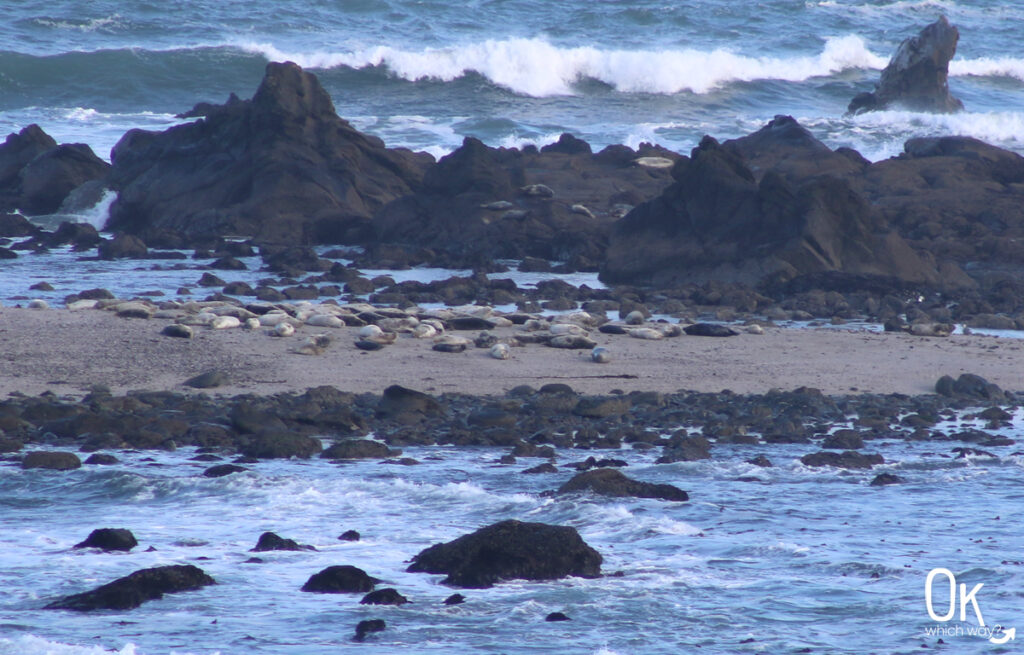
x: 535, y: 67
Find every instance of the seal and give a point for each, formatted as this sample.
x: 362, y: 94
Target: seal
x: 500, y: 351
x: 600, y: 355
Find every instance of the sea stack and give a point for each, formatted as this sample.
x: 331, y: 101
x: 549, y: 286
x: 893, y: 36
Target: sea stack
x: 916, y: 77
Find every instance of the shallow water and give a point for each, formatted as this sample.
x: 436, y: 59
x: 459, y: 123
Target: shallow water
x: 759, y: 560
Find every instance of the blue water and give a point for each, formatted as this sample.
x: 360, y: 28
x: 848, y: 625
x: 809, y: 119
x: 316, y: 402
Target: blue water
x: 787, y: 558
x: 426, y: 74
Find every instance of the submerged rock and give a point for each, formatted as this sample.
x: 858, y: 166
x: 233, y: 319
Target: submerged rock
x: 384, y: 597
x: 368, y: 626
x: 611, y: 482
x: 510, y: 550
x: 132, y: 590
x: 849, y: 459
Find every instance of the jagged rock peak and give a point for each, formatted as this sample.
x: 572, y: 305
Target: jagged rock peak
x: 917, y: 75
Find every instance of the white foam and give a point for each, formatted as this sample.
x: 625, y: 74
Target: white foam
x: 99, y: 214
x: 988, y: 67
x: 32, y: 645
x: 536, y: 67
x: 1002, y: 128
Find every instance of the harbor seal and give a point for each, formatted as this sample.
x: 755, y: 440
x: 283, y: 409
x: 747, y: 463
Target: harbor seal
x: 600, y: 355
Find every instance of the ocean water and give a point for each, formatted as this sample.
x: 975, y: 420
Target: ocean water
x: 796, y: 559
x: 424, y: 74
x: 760, y: 560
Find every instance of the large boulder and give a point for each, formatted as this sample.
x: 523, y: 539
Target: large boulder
x: 610, y: 482
x: 133, y: 590
x: 510, y: 550
x: 721, y: 221
x: 49, y: 178
x: 282, y: 167
x: 36, y: 174
x: 917, y: 75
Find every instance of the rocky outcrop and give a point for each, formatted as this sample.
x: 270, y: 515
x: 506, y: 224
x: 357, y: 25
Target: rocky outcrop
x: 917, y: 75
x: 36, y: 174
x: 282, y: 167
x: 747, y: 212
x: 133, y: 590
x: 510, y: 550
x: 481, y: 203
x: 610, y: 482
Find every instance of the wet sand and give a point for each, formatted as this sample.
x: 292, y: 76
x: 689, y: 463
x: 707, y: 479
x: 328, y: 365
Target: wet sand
x: 68, y: 352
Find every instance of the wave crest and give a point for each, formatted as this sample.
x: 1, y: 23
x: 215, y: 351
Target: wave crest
x: 535, y: 67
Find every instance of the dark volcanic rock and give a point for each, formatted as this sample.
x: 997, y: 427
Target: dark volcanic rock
x: 108, y: 539
x: 720, y: 220
x: 611, y: 482
x: 685, y: 449
x: 48, y: 179
x: 276, y: 444
x: 481, y: 203
x: 398, y: 400
x: 883, y: 479
x: 343, y: 579
x: 271, y: 541
x: 57, y: 461
x: 220, y: 470
x: 849, y: 459
x: 123, y: 246
x: 368, y: 626
x: 359, y: 449
x: 132, y: 590
x: 282, y: 167
x: 917, y: 75
x: 384, y: 597
x: 510, y: 550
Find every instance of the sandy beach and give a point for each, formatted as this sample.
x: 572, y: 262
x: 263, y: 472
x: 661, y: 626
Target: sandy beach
x: 67, y: 352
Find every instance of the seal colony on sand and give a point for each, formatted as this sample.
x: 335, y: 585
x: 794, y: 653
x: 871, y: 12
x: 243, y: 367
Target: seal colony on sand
x: 69, y: 352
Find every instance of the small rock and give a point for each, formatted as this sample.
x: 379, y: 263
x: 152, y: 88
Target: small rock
x: 108, y: 539
x: 384, y: 597
x: 556, y: 616
x: 271, y: 541
x: 368, y: 626
x: 343, y: 579
x: 455, y: 599
x: 349, y: 535
x: 883, y: 479
x: 221, y: 470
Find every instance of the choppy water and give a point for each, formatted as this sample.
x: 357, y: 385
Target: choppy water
x: 760, y: 560
x: 424, y: 74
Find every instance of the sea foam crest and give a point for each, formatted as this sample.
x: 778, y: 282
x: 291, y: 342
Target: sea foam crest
x: 535, y: 67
